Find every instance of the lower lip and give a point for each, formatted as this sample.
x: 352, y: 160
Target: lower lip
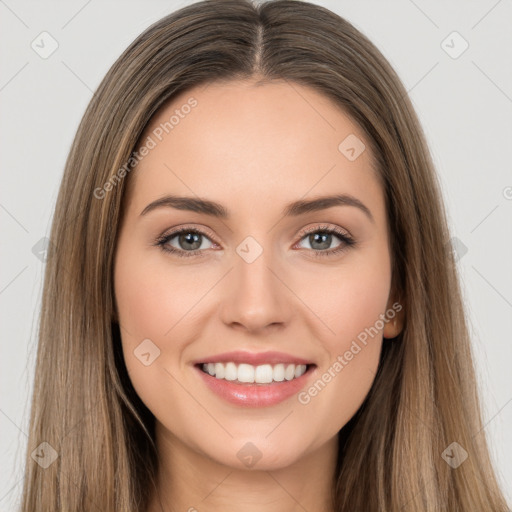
x: 255, y: 395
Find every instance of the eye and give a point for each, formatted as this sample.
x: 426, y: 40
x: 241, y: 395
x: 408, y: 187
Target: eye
x: 189, y: 242
x: 321, y: 238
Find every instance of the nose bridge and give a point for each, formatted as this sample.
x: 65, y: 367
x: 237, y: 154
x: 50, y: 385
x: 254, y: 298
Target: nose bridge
x: 256, y: 297
x: 252, y: 267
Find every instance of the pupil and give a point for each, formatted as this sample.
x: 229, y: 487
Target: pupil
x: 323, y: 244
x: 191, y: 238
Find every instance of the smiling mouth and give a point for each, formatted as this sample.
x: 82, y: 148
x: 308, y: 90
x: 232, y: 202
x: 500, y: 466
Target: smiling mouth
x: 250, y: 374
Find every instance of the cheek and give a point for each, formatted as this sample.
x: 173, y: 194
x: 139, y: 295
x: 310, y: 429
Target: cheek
x: 151, y: 300
x: 157, y: 312
x: 350, y: 301
x: 147, y: 310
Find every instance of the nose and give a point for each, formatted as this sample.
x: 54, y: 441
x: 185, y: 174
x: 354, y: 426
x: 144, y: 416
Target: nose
x: 256, y: 299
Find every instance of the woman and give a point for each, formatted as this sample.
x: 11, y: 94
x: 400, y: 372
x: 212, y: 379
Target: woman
x: 309, y: 350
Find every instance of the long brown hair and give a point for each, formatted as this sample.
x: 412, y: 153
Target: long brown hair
x: 424, y: 396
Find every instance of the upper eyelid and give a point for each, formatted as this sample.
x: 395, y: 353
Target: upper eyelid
x: 324, y: 227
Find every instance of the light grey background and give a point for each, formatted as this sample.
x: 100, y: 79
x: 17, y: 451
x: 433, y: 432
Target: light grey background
x: 464, y: 104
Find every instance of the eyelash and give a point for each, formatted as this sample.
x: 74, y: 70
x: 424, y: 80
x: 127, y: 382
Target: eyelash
x: 347, y: 242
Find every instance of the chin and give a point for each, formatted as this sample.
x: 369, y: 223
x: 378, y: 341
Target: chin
x: 260, y: 453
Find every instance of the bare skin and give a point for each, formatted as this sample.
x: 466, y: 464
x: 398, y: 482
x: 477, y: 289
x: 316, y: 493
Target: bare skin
x: 253, y: 149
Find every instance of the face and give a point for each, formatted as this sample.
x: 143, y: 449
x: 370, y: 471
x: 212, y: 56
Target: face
x: 258, y: 286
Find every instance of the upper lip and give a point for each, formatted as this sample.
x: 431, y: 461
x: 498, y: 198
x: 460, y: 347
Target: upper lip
x: 254, y: 358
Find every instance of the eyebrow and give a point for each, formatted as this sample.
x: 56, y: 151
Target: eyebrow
x: 294, y: 209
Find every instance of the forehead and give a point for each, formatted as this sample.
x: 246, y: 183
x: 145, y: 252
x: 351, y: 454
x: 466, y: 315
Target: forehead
x: 273, y: 142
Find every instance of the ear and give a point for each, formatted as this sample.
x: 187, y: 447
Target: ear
x: 394, y: 319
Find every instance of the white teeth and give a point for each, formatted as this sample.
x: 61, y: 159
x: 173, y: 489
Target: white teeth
x: 231, y: 372
x: 245, y: 373
x: 289, y: 373
x: 262, y: 374
x: 300, y: 370
x: 279, y: 372
x: 219, y: 370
